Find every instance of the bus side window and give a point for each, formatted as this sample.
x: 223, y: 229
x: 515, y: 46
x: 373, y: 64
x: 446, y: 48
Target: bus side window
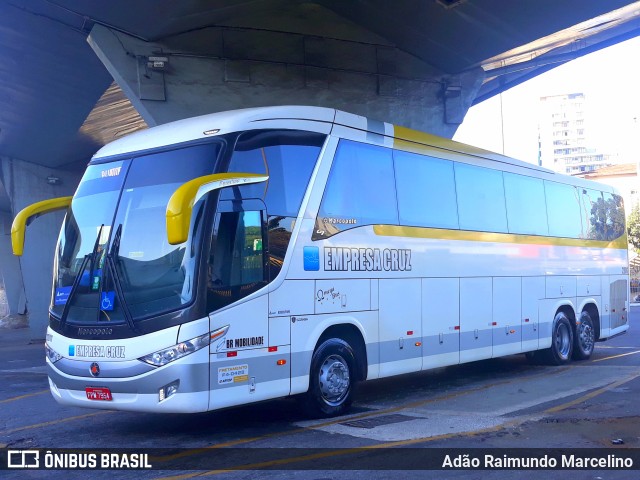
x: 426, y: 191
x: 481, y: 202
x: 614, y: 208
x: 526, y: 205
x: 360, y: 190
x: 593, y: 214
x: 563, y: 210
x: 236, y: 264
x: 288, y: 157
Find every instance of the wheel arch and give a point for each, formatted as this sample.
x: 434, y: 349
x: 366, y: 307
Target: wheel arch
x: 592, y: 309
x: 351, y: 334
x: 569, y: 311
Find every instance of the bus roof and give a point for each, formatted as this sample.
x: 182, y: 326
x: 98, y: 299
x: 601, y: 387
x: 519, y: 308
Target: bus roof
x: 213, y: 124
x: 194, y: 128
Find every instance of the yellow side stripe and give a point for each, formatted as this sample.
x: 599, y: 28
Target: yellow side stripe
x: 472, y: 236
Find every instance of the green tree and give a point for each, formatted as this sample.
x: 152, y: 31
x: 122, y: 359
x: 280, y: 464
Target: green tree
x: 633, y: 227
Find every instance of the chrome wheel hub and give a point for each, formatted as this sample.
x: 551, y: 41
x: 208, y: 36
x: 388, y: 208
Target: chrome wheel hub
x: 334, y: 379
x: 585, y: 335
x: 563, y: 340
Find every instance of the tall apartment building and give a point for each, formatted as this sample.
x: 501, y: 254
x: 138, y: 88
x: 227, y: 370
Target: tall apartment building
x: 562, y: 142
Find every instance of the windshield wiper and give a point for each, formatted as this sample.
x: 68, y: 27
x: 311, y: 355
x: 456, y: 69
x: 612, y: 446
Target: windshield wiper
x: 115, y: 244
x: 89, y: 257
x: 111, y: 268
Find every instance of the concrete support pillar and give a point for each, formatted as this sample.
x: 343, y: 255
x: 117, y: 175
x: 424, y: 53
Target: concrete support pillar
x: 10, y: 272
x: 223, y: 68
x: 27, y: 279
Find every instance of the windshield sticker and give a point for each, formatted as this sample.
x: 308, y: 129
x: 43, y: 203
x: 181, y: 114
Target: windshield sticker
x: 112, y: 172
x: 107, y: 301
x: 62, y: 295
x: 339, y: 259
x: 235, y: 374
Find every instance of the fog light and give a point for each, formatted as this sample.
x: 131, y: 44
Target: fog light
x: 168, y: 390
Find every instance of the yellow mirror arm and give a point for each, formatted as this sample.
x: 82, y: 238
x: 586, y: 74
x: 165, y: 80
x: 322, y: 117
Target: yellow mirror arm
x: 20, y: 222
x: 181, y: 202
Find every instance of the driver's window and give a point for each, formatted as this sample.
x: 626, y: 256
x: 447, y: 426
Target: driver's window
x: 237, y: 257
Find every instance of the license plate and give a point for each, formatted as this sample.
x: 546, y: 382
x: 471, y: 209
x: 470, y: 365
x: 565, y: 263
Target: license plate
x: 98, y: 393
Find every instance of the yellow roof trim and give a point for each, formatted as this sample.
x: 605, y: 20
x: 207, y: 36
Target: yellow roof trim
x: 180, y: 206
x: 417, y: 142
x: 471, y: 236
x: 19, y: 225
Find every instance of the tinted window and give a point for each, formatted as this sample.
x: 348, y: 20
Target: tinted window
x: 426, y: 191
x: 563, y: 210
x: 526, y: 212
x: 602, y: 215
x: 606, y: 220
x: 360, y: 190
x: 480, y: 198
x: 592, y: 212
x: 236, y: 263
x: 287, y: 157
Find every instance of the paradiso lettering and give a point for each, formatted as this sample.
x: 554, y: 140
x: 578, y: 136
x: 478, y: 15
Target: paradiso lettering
x: 340, y: 259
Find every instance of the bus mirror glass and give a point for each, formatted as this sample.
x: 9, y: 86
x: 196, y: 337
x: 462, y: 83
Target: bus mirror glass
x: 24, y: 217
x: 180, y: 206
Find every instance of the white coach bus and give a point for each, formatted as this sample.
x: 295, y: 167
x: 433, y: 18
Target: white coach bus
x: 260, y: 253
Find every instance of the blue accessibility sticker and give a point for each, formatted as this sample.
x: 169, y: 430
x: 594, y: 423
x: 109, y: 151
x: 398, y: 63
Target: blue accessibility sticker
x: 107, y: 301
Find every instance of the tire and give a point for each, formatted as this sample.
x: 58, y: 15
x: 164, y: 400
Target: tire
x: 561, y: 341
x: 585, y: 337
x: 331, y: 380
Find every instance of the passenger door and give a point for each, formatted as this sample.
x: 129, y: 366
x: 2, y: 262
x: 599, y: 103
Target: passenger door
x: 236, y: 269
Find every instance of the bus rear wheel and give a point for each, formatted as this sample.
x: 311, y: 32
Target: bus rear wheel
x: 585, y: 338
x: 332, y: 379
x: 561, y: 341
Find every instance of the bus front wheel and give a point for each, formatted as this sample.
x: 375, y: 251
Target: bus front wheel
x: 561, y: 341
x: 585, y: 338
x: 332, y: 379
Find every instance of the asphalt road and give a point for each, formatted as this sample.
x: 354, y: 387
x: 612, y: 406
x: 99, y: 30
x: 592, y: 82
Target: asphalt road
x: 501, y: 403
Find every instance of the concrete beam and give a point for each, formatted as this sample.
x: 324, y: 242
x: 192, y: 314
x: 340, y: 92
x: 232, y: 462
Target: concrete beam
x: 222, y: 68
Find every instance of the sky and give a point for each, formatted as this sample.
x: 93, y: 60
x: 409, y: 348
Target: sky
x: 610, y: 81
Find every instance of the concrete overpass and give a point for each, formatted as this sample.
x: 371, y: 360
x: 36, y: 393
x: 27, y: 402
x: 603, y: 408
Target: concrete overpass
x: 75, y: 75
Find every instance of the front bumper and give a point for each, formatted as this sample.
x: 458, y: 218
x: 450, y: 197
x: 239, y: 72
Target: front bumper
x: 139, y: 392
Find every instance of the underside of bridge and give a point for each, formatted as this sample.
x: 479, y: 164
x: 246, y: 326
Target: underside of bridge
x: 75, y: 75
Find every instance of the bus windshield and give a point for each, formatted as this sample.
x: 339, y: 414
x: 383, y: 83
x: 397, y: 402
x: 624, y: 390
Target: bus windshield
x: 113, y: 244
x: 126, y: 202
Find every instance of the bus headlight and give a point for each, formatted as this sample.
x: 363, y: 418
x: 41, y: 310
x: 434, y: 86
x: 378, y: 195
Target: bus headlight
x: 182, y: 349
x: 52, y: 355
